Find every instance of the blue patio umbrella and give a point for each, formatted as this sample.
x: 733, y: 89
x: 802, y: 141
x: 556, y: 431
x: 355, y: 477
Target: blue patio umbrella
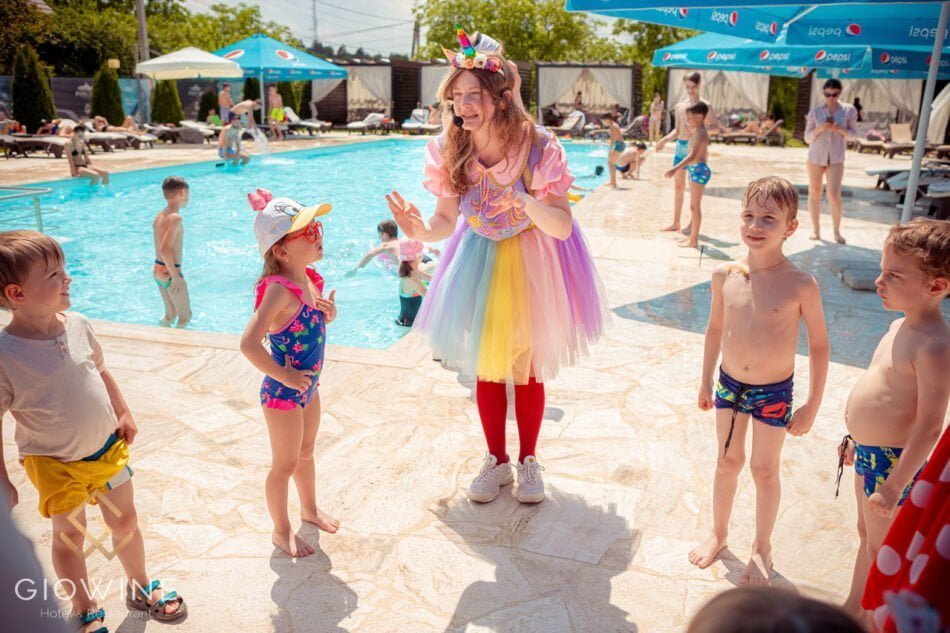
x: 821, y: 22
x: 268, y: 59
x: 827, y: 23
x: 711, y: 50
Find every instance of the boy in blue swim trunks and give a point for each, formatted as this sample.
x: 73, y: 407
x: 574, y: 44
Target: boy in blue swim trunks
x: 756, y: 307
x: 616, y: 146
x: 896, y: 410
x: 695, y: 164
x: 681, y: 133
x: 169, y: 233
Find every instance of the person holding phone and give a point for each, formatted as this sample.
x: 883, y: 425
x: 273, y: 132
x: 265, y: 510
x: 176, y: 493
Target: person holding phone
x: 829, y: 127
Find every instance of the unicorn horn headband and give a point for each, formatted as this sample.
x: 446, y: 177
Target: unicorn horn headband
x: 483, y: 55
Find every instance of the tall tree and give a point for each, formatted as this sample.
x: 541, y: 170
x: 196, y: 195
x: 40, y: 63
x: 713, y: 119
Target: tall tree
x: 106, y: 98
x: 21, y: 23
x: 646, y: 39
x: 32, y: 96
x: 166, y: 104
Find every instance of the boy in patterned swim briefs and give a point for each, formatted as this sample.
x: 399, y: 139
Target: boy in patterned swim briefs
x: 695, y: 164
x: 896, y: 410
x: 757, y: 304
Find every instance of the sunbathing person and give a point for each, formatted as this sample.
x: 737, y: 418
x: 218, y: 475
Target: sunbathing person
x: 129, y: 126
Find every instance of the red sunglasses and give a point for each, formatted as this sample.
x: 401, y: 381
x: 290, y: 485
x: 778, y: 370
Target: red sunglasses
x: 311, y: 232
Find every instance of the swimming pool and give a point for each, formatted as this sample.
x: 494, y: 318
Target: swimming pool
x: 106, y: 233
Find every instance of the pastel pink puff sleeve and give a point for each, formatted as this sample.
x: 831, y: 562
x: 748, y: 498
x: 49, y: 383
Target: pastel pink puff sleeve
x: 436, y: 176
x: 550, y: 176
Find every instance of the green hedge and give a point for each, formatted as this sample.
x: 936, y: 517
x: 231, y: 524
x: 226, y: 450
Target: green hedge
x: 252, y: 90
x: 288, y: 92
x: 209, y: 101
x: 166, y: 104
x: 31, y: 92
x: 107, y: 96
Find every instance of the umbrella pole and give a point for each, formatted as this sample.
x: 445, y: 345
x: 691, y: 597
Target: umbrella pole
x: 263, y: 101
x: 910, y: 198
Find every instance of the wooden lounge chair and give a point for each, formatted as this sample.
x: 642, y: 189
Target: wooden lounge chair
x: 573, y: 124
x: 770, y: 134
x: 294, y: 122
x: 206, y: 131
x: 373, y: 121
x: 937, y: 200
x: 23, y: 144
x: 901, y: 141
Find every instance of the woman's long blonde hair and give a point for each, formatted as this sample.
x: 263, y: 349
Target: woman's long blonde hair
x: 511, y: 122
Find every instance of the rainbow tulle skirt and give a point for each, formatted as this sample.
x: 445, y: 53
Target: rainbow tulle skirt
x: 508, y: 310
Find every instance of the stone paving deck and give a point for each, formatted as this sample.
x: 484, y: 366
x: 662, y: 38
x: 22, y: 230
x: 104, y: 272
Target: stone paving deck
x: 629, y: 457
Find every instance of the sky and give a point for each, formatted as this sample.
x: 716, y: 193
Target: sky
x: 378, y: 27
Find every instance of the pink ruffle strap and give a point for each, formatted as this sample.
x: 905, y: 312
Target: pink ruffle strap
x: 436, y: 176
x: 551, y: 175
x: 313, y: 275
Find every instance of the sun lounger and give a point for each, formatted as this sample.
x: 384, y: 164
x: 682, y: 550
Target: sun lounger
x: 418, y: 123
x: 769, y: 135
x: 937, y: 200
x: 901, y: 141
x: 294, y: 122
x: 573, y: 124
x: 23, y: 144
x: 203, y: 128
x: 373, y: 121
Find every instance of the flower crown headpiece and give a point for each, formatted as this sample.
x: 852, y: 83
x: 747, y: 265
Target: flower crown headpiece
x: 485, y: 57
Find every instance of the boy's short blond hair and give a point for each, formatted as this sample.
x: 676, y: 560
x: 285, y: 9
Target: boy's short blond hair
x: 927, y: 240
x: 774, y: 189
x: 20, y: 251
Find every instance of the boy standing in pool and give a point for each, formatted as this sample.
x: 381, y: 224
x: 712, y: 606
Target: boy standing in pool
x: 169, y: 232
x: 896, y: 410
x: 756, y: 307
x: 695, y: 164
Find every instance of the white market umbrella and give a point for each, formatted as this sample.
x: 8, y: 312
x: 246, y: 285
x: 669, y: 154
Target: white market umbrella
x: 189, y: 63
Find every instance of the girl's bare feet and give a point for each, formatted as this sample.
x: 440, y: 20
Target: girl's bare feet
x: 291, y: 544
x: 686, y: 229
x: 839, y: 239
x: 758, y: 571
x: 814, y: 237
x: 706, y: 552
x: 672, y: 227
x: 322, y: 520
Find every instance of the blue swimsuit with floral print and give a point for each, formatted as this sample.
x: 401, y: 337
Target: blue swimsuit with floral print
x: 303, y: 338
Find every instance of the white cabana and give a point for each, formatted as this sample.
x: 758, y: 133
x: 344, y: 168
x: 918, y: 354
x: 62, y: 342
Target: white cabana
x: 884, y: 101
x: 939, y: 115
x: 601, y: 86
x: 189, y: 63
x: 369, y: 88
x: 431, y: 78
x: 728, y: 91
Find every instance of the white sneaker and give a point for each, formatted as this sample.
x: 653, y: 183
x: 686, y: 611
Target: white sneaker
x: 530, y: 485
x: 490, y: 479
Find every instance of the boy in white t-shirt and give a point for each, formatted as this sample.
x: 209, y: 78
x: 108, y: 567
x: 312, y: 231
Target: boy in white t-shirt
x: 73, y: 426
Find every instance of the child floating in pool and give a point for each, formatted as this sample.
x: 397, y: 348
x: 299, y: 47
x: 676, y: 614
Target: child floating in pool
x: 168, y: 232
x: 413, y: 281
x: 897, y: 408
x: 757, y: 305
x: 387, y: 251
x: 73, y: 427
x: 516, y: 295
x: 695, y: 165
x: 291, y: 312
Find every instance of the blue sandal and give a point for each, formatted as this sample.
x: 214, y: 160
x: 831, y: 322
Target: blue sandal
x: 90, y: 616
x: 140, y: 602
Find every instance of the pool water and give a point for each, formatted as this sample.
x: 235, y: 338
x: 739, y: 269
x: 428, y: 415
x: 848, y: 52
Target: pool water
x: 107, y: 237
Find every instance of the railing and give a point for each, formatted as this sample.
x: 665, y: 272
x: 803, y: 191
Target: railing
x: 27, y: 192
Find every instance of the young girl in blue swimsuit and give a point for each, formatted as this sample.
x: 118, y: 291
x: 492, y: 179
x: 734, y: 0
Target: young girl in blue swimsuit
x: 292, y: 313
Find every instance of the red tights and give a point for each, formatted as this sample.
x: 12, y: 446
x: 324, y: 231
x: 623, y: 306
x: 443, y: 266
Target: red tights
x: 492, y: 400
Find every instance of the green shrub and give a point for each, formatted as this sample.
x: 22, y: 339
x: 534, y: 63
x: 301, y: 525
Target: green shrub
x: 252, y: 90
x: 107, y: 96
x: 288, y: 92
x: 306, y: 94
x: 166, y: 104
x: 31, y: 92
x: 209, y: 101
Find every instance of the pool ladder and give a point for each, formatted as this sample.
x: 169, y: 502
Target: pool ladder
x: 27, y: 192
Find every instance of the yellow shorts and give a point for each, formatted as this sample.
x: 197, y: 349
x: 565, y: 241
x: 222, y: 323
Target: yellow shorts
x: 64, y: 486
x: 277, y: 114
